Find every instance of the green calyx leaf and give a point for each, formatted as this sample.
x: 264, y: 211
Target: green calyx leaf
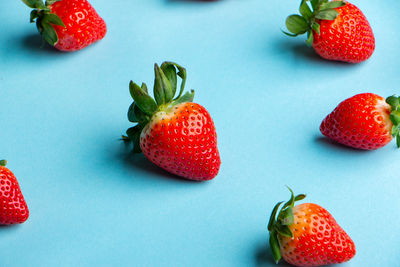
x: 170, y: 73
x: 187, y: 97
x: 327, y: 14
x: 394, y: 102
x: 34, y: 15
x: 310, y: 12
x: 36, y: 4
x: 305, y: 10
x: 299, y: 197
x: 286, y: 216
x: 331, y: 5
x: 135, y: 114
x: 310, y: 38
x: 133, y: 135
x: 181, y: 73
x: 3, y: 162
x: 45, y: 20
x: 283, y: 230
x: 50, y: 2
x: 142, y: 99
x: 52, y: 19
x: 163, y: 92
x: 279, y: 223
x: 274, y: 246
x: 316, y: 27
x: 144, y: 106
x: 48, y: 33
x: 297, y: 24
x: 273, y: 216
x: 314, y: 4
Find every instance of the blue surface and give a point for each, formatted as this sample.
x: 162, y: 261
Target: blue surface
x: 92, y: 204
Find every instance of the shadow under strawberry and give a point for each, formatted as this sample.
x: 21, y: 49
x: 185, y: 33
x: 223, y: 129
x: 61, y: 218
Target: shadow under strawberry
x: 324, y: 141
x: 34, y: 43
x: 299, y: 49
x: 139, y: 161
x: 9, y: 228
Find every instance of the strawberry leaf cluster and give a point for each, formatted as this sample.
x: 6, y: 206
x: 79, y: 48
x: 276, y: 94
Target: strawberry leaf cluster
x: 310, y: 13
x: 279, y: 225
x: 394, y: 102
x: 41, y: 14
x: 144, y: 106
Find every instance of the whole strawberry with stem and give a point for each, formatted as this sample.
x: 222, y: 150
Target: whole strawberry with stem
x: 173, y: 132
x: 68, y: 25
x: 337, y: 30
x: 364, y: 121
x: 13, y: 208
x: 307, y: 235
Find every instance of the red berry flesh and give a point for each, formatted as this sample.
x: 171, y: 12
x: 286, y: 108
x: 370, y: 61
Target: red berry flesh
x: 183, y: 141
x: 13, y: 208
x: 362, y: 122
x: 348, y: 38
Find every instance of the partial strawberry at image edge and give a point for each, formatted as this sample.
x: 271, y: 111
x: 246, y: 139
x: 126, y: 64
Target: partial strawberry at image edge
x: 365, y: 121
x: 67, y: 25
x: 13, y: 208
x: 173, y: 132
x: 337, y: 30
x: 307, y: 235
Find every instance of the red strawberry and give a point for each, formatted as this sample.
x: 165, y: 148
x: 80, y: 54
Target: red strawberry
x: 173, y: 133
x: 364, y: 121
x: 307, y: 235
x: 68, y: 25
x: 337, y: 30
x: 13, y: 208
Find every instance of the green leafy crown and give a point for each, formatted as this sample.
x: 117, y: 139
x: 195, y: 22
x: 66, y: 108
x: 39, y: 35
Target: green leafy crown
x: 41, y: 13
x: 394, y: 102
x: 279, y: 225
x: 310, y: 13
x: 144, y: 106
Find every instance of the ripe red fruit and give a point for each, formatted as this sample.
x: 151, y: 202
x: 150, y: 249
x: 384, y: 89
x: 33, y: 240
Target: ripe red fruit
x: 337, y: 30
x: 13, y: 208
x: 68, y: 25
x: 173, y: 133
x: 307, y: 235
x: 364, y: 121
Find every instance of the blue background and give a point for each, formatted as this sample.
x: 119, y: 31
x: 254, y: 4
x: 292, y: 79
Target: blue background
x: 92, y: 204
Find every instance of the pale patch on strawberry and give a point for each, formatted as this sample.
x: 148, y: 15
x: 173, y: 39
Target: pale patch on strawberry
x: 383, y: 110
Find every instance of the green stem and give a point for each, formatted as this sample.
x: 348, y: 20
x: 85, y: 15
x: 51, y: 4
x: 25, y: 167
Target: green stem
x: 3, y: 162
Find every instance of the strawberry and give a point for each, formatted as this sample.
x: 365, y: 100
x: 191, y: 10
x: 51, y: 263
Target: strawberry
x: 13, y: 208
x: 307, y: 235
x: 364, y: 121
x: 337, y: 30
x: 173, y: 133
x: 68, y: 25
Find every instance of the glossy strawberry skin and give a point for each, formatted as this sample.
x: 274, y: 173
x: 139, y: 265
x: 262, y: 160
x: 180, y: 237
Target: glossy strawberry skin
x: 362, y: 122
x: 183, y: 141
x: 13, y: 208
x: 83, y: 26
x: 317, y: 238
x: 348, y: 38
